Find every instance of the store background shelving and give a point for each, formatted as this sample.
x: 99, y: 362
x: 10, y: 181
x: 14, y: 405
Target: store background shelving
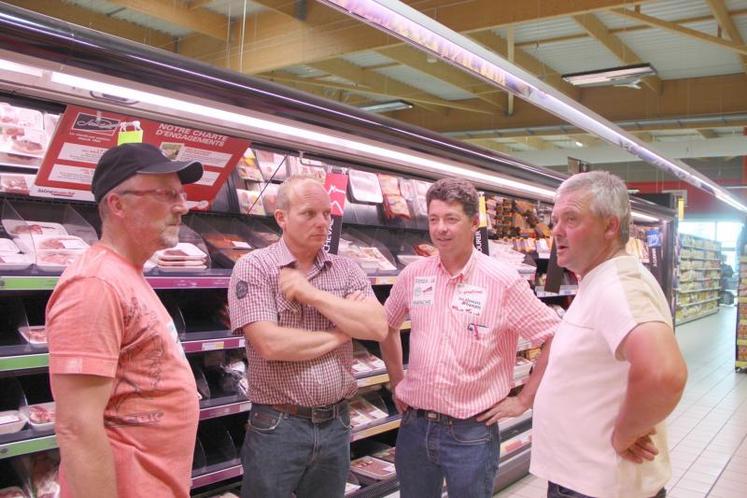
x: 698, y: 276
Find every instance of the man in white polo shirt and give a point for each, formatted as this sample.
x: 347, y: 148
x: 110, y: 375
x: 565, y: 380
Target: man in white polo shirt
x: 467, y: 312
x: 615, y: 371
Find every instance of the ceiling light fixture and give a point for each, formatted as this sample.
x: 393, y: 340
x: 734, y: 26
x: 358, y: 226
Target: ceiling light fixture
x: 415, y: 28
x: 389, y: 106
x: 615, y: 76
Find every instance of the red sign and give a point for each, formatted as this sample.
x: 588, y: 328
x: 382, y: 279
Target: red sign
x: 84, y: 134
x: 336, y: 185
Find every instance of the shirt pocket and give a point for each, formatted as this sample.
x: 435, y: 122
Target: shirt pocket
x: 289, y: 313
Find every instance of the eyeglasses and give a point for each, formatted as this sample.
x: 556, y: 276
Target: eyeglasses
x: 165, y: 194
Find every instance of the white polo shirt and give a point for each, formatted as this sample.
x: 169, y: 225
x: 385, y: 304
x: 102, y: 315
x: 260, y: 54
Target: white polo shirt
x: 584, y: 387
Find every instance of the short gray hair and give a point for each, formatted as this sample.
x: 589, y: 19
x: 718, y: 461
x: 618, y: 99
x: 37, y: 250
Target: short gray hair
x: 283, y: 198
x: 455, y: 190
x: 609, y: 196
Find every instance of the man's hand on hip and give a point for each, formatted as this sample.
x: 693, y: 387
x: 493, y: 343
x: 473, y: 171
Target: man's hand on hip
x: 294, y: 285
x: 637, y: 450
x: 511, y: 406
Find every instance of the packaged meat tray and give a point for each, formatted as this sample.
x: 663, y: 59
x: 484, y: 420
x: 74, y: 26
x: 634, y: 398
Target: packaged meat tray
x: 58, y: 243
x: 45, y: 474
x: 247, y: 167
x: 227, y: 241
x: 407, y: 259
x: 395, y: 206
x: 249, y: 202
x: 364, y: 187
x: 41, y: 416
x: 363, y: 412
x: 425, y: 250
x: 389, y: 184
x: 272, y: 165
x: 20, y: 227
x: 183, y: 251
x: 372, y: 467
x: 36, y: 335
x: 11, y: 421
x: 270, y: 197
x: 387, y: 455
x: 14, y: 183
x: 350, y: 488
x: 12, y: 492
x: 53, y: 261
x: 7, y: 246
x: 368, y: 257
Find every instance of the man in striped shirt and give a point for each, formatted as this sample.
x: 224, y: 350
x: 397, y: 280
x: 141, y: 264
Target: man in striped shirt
x: 299, y: 307
x: 468, y: 311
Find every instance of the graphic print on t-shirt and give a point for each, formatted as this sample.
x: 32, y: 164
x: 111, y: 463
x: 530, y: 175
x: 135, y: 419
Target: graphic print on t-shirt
x: 141, y: 368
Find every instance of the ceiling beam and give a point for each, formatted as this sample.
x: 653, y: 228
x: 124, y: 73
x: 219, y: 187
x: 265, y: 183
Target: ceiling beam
x: 101, y: 22
x: 709, y: 96
x: 707, y: 133
x: 535, y: 143
x: 721, y: 13
x: 533, y: 65
x: 200, y: 20
x: 489, y: 144
x: 371, y: 80
x: 599, y: 31
x: 276, y: 39
x: 416, y: 59
x: 676, y: 28
x: 196, y: 4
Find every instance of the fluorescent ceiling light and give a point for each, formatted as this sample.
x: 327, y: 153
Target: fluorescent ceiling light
x: 417, y: 29
x: 14, y: 67
x: 578, y: 144
x: 618, y: 76
x: 392, y: 105
x: 279, y: 129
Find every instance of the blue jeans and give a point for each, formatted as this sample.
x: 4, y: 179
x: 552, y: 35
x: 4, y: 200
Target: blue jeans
x: 285, y: 454
x: 558, y: 491
x: 465, y: 452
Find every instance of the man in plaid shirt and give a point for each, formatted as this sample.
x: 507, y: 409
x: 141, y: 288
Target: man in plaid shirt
x: 299, y: 307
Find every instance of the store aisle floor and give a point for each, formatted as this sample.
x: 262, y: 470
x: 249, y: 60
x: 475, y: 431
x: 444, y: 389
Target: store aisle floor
x: 708, y: 430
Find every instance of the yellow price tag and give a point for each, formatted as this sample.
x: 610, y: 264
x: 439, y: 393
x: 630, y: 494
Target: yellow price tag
x: 483, y: 212
x: 134, y: 136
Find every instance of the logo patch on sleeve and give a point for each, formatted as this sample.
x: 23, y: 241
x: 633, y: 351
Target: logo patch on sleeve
x: 242, y: 289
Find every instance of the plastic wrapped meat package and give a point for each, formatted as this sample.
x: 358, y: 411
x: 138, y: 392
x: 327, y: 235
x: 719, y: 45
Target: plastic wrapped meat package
x: 228, y: 245
x: 11, y: 258
x: 308, y: 167
x: 53, y: 252
x: 350, y: 488
x: 40, y: 416
x: 45, y: 474
x: 16, y: 183
x: 12, y: 421
x: 373, y: 468
x: 364, y: 361
x: 387, y: 455
x: 249, y: 202
x: 35, y: 335
x: 247, y: 167
x: 269, y: 194
x: 364, y: 187
x: 363, y: 412
x: 369, y: 258
x: 16, y: 228
x: 273, y: 166
x: 184, y: 257
x: 425, y: 250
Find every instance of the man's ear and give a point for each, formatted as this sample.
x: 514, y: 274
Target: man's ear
x: 115, y: 205
x: 281, y: 218
x: 613, y: 228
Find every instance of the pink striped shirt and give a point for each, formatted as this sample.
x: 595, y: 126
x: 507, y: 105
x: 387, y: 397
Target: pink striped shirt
x: 465, y: 329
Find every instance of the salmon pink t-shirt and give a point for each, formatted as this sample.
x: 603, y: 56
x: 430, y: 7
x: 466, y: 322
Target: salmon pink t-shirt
x: 103, y: 318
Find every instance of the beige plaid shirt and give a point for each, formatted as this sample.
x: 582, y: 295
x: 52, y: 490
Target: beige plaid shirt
x: 253, y: 296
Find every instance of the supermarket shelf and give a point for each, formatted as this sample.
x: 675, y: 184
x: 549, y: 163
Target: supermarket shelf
x: 372, y: 380
x: 700, y: 280
x: 699, y: 248
x: 24, y: 362
x: 682, y: 258
x: 216, y: 476
x: 228, y: 342
x: 698, y: 290
x: 686, y: 320
x: 386, y: 425
x: 214, y: 279
x: 47, y: 441
x: 683, y: 305
x: 565, y: 290
x: 220, y: 409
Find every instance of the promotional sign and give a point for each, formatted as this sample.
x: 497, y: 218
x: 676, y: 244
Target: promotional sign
x: 84, y: 134
x: 481, y: 236
x: 336, y: 185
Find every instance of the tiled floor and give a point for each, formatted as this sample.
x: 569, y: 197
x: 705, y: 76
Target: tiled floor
x: 708, y: 430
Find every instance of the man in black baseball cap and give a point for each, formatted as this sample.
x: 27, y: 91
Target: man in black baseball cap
x: 124, y: 161
x: 127, y: 404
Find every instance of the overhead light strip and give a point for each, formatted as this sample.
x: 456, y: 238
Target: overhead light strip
x: 264, y: 125
x: 417, y: 29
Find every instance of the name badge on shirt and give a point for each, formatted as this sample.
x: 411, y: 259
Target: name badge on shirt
x: 424, y: 291
x: 469, y: 299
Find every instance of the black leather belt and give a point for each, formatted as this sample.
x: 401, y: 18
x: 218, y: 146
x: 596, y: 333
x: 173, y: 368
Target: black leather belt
x: 317, y: 414
x: 439, y: 417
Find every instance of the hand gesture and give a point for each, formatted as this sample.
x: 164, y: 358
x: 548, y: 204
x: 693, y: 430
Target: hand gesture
x: 636, y: 450
x: 293, y: 285
x: 511, y: 406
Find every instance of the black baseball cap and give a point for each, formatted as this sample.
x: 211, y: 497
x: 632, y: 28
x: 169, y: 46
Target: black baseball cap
x: 127, y: 160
